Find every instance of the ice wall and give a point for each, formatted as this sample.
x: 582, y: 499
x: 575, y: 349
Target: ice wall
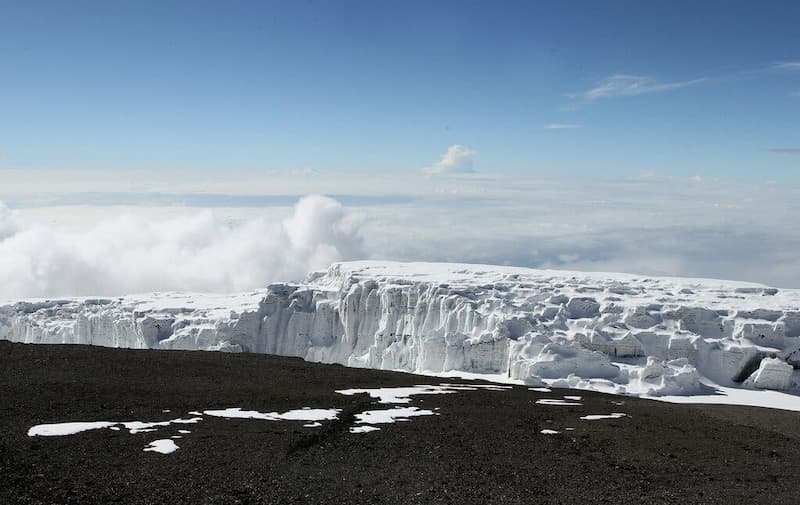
x: 638, y: 334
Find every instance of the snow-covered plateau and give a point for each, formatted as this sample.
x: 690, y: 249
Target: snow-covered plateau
x: 651, y: 336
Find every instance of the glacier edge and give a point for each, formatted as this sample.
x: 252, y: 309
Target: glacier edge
x: 627, y: 333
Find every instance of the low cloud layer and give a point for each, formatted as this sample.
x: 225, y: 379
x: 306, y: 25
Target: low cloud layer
x: 692, y: 227
x: 199, y: 252
x: 696, y: 227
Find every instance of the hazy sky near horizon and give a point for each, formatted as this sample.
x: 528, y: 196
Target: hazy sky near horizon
x: 165, y: 145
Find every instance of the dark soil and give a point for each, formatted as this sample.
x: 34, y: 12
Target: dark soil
x: 485, y: 447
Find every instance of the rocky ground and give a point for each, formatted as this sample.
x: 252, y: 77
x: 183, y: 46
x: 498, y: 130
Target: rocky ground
x: 484, y: 446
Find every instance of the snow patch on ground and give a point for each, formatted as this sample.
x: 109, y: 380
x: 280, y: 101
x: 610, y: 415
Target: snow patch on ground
x: 597, y: 417
x: 63, y: 429
x: 143, y: 427
x: 306, y: 414
x: 386, y: 416
x: 163, y: 446
x: 404, y: 394
x: 735, y: 396
x: 556, y: 401
x: 363, y: 429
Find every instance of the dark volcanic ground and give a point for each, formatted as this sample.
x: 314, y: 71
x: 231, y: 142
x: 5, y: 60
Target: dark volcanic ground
x: 484, y: 447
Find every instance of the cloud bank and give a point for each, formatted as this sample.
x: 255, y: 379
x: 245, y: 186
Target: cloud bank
x: 200, y: 252
x: 691, y: 227
x: 695, y: 227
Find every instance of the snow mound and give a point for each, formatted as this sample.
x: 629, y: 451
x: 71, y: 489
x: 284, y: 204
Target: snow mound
x: 772, y: 373
x: 560, y: 360
x: 675, y: 377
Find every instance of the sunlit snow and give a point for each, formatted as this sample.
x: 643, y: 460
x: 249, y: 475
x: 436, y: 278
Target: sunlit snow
x: 678, y: 339
x: 164, y: 446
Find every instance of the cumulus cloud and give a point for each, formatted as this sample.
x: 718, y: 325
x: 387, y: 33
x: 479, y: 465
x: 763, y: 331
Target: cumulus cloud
x: 8, y: 225
x: 200, y: 252
x: 629, y: 85
x: 457, y: 160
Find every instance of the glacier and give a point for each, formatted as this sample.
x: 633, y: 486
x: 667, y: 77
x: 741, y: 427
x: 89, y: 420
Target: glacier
x: 622, y: 333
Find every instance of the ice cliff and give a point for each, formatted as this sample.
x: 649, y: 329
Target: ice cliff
x: 634, y: 334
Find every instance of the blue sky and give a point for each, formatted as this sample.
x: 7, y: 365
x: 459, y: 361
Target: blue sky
x: 137, y: 138
x: 671, y: 88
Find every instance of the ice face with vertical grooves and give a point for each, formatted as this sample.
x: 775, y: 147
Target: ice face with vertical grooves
x: 647, y: 334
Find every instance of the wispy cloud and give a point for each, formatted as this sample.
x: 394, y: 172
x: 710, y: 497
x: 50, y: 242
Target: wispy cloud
x: 619, y: 85
x: 457, y: 160
x: 793, y: 66
x: 785, y: 150
x: 561, y: 126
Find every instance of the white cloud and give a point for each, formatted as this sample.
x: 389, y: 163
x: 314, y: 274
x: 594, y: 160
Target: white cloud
x: 457, y: 160
x: 792, y: 66
x: 198, y: 252
x: 629, y: 85
x: 561, y: 126
x: 656, y: 226
x: 619, y: 85
x: 649, y: 225
x: 8, y: 222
